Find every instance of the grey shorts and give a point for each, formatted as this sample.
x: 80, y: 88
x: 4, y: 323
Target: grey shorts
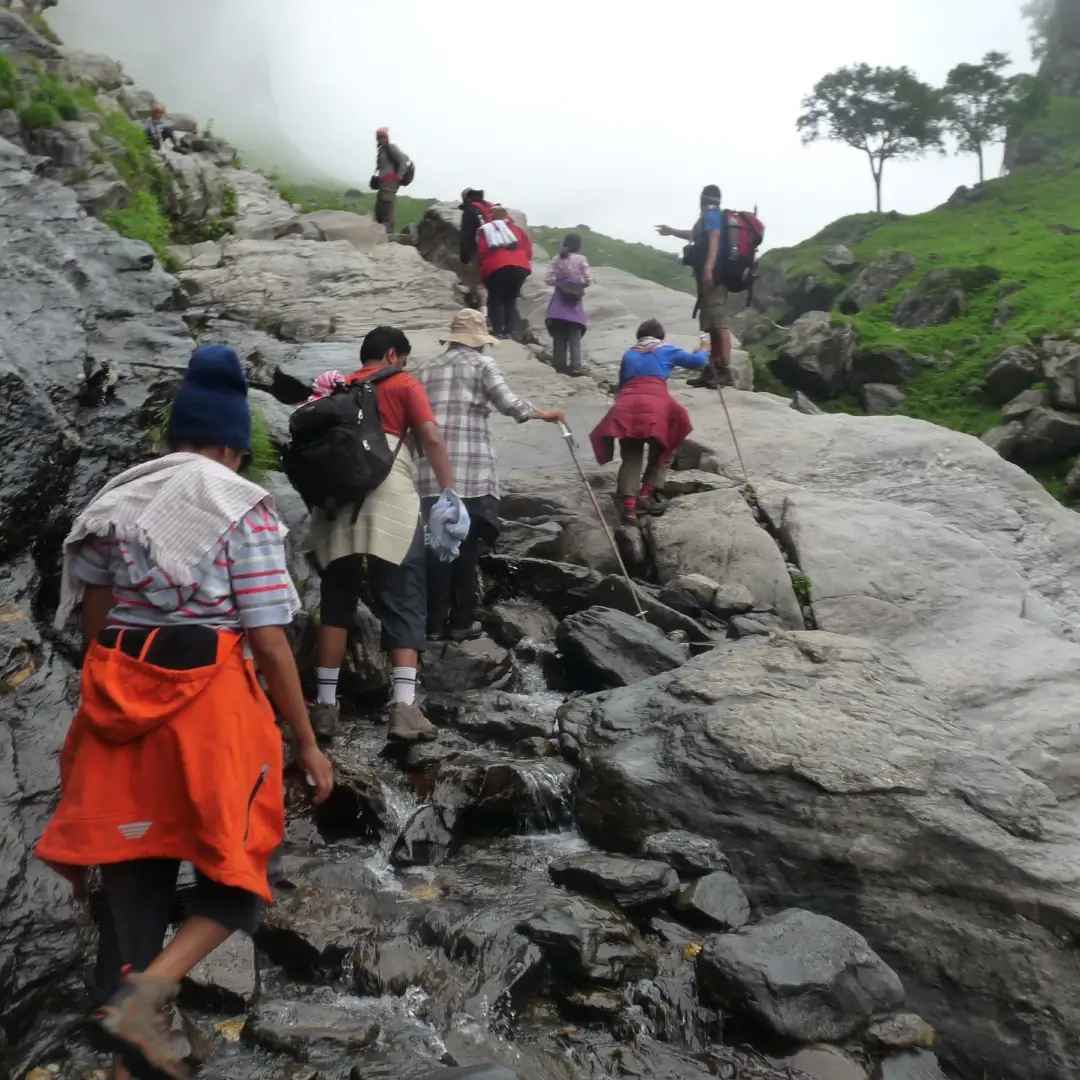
x: 714, y: 309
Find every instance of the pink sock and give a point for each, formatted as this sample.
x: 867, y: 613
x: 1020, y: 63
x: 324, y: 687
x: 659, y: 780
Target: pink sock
x: 647, y: 490
x: 630, y: 502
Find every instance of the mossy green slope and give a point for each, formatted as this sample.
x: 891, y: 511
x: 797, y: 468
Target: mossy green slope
x: 310, y: 198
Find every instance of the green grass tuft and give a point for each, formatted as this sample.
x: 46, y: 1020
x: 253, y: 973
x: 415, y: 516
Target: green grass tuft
x: 143, y: 220
x: 229, y: 204
x: 51, y: 90
x: 10, y: 83
x: 265, y: 456
x: 38, y: 115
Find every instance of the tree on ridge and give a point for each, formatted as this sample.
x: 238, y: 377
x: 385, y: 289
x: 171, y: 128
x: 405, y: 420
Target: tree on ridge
x: 885, y: 112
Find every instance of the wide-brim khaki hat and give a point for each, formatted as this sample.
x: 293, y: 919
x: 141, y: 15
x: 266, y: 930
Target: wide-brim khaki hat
x: 468, y: 328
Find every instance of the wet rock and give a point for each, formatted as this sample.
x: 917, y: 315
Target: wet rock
x: 739, y: 551
x: 391, y: 967
x: 801, y: 403
x: 816, y: 356
x: 1004, y: 438
x: 560, y: 587
x: 894, y: 366
x: 690, y: 594
x: 875, y: 279
x: 910, y: 1065
x: 309, y: 1032
x: 425, y: 840
x: 1011, y: 372
x: 614, y: 592
x: 471, y: 665
x: 881, y: 398
x: 805, y: 977
x: 497, y: 716
x: 732, y: 599
x: 472, y: 1072
x: 227, y: 980
x: 1048, y: 435
x: 421, y: 756
x: 520, y: 540
x: 493, y: 793
x: 584, y: 943
x: 592, y: 1004
x: 825, y: 1063
x: 690, y: 855
x: 1062, y: 368
x: 900, y: 1032
x: 838, y: 257
x: 603, y: 648
x: 356, y: 808
x: 629, y: 882
x: 513, y: 622
x: 716, y: 900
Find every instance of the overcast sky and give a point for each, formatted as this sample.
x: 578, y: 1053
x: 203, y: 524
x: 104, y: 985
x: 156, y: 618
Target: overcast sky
x: 573, y: 110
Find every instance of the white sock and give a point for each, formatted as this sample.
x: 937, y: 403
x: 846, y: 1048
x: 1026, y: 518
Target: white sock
x: 405, y: 685
x: 483, y: 311
x: 327, y: 677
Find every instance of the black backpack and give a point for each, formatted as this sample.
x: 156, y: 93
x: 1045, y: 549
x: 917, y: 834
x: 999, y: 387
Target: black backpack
x: 338, y: 452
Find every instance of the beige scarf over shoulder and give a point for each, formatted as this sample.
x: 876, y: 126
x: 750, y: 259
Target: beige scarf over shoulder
x: 385, y: 526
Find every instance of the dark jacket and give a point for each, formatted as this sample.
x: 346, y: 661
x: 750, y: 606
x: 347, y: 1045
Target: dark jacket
x: 471, y: 221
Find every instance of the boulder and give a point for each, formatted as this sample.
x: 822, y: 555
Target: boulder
x: 816, y: 355
x: 794, y: 742
x: 839, y: 257
x: 1023, y: 403
x: 738, y: 551
x: 197, y: 188
x: 900, y: 1032
x: 513, y: 623
x: 880, y: 398
x: 825, y: 1063
x: 1010, y: 373
x: 1062, y: 368
x: 716, y: 901
x: 1048, y: 435
x: 473, y: 1072
x: 585, y: 943
x: 391, y: 967
x: 630, y: 883
x: 690, y: 855
x: 471, y: 665
x: 1004, y: 438
x: 525, y: 541
x: 98, y: 71
x: 425, y: 840
x: 882, y: 366
x: 691, y: 593
x: 358, y: 229
x: 615, y: 592
x: 877, y: 278
x: 561, y: 587
x: 603, y: 648
x: 308, y: 1031
x: 803, y: 976
x: 733, y: 599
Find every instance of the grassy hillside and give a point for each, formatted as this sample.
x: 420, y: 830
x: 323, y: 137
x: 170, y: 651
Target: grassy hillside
x: 641, y: 260
x: 1024, y: 231
x: 311, y: 198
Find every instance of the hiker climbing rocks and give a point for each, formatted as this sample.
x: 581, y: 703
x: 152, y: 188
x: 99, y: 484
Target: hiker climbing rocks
x: 380, y: 540
x: 648, y: 422
x: 174, y: 754
x: 159, y: 129
x: 393, y: 170
x: 566, y: 318
x: 463, y: 386
x: 475, y: 214
x: 722, y: 252
x: 504, y: 251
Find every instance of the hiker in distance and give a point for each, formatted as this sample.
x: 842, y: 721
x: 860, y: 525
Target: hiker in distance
x: 158, y: 128
x: 566, y: 318
x: 463, y: 386
x: 504, y: 252
x: 649, y: 424
x: 703, y: 254
x: 475, y: 214
x: 381, y: 540
x: 393, y: 170
x: 174, y: 754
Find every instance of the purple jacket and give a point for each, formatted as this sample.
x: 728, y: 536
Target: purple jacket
x: 572, y: 268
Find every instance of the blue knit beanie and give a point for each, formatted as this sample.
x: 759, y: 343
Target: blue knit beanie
x: 211, y: 406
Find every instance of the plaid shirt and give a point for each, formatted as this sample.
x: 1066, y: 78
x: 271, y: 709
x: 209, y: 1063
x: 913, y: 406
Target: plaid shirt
x: 463, y: 385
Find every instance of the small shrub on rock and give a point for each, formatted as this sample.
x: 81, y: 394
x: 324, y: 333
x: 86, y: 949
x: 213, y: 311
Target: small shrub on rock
x: 52, y: 91
x: 37, y: 115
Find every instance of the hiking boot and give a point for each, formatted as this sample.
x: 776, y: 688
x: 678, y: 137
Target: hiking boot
x: 324, y: 719
x: 409, y: 724
x: 705, y: 379
x: 723, y: 378
x: 465, y: 633
x: 653, y: 504
x: 628, y: 516
x: 139, y: 1021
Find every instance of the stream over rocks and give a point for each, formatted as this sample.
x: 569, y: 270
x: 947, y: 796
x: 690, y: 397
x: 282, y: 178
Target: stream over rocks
x: 814, y: 816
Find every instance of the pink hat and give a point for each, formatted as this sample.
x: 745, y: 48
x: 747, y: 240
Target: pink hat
x: 382, y: 131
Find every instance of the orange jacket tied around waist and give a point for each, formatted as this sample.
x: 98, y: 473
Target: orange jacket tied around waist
x: 170, y: 764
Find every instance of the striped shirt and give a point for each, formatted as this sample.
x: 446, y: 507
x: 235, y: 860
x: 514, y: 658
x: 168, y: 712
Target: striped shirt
x: 463, y: 385
x: 241, y: 583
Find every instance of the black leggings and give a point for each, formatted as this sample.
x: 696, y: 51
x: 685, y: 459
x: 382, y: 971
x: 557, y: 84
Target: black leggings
x: 504, y: 288
x: 140, y: 904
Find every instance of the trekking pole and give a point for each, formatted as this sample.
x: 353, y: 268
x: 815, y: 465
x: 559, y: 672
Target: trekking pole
x: 571, y: 445
x: 735, y: 440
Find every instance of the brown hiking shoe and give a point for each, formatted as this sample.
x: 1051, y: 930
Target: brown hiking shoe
x: 140, y: 1020
x: 324, y: 719
x: 409, y: 724
x: 653, y: 504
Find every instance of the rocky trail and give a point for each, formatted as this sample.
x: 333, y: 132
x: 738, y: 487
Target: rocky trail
x: 827, y: 788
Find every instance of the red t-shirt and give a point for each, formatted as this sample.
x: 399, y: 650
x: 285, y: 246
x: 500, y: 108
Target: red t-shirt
x: 403, y: 402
